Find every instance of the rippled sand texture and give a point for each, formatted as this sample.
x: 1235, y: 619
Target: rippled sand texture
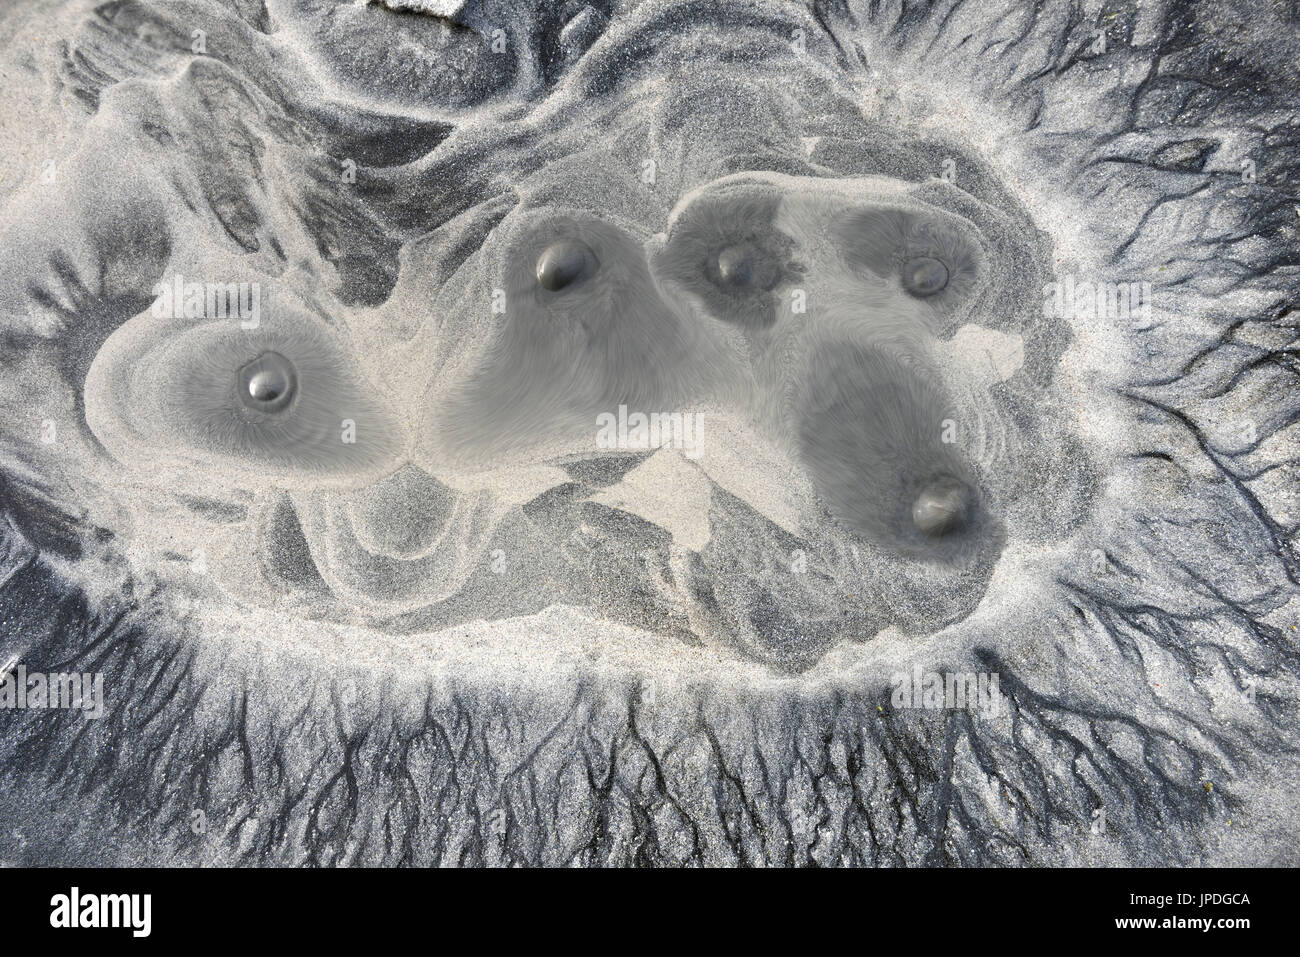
x: 963, y: 342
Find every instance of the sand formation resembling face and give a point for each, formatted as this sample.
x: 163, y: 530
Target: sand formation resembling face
x: 680, y: 363
x: 814, y: 315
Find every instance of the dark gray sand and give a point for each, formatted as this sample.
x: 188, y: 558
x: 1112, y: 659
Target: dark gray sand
x: 503, y: 432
